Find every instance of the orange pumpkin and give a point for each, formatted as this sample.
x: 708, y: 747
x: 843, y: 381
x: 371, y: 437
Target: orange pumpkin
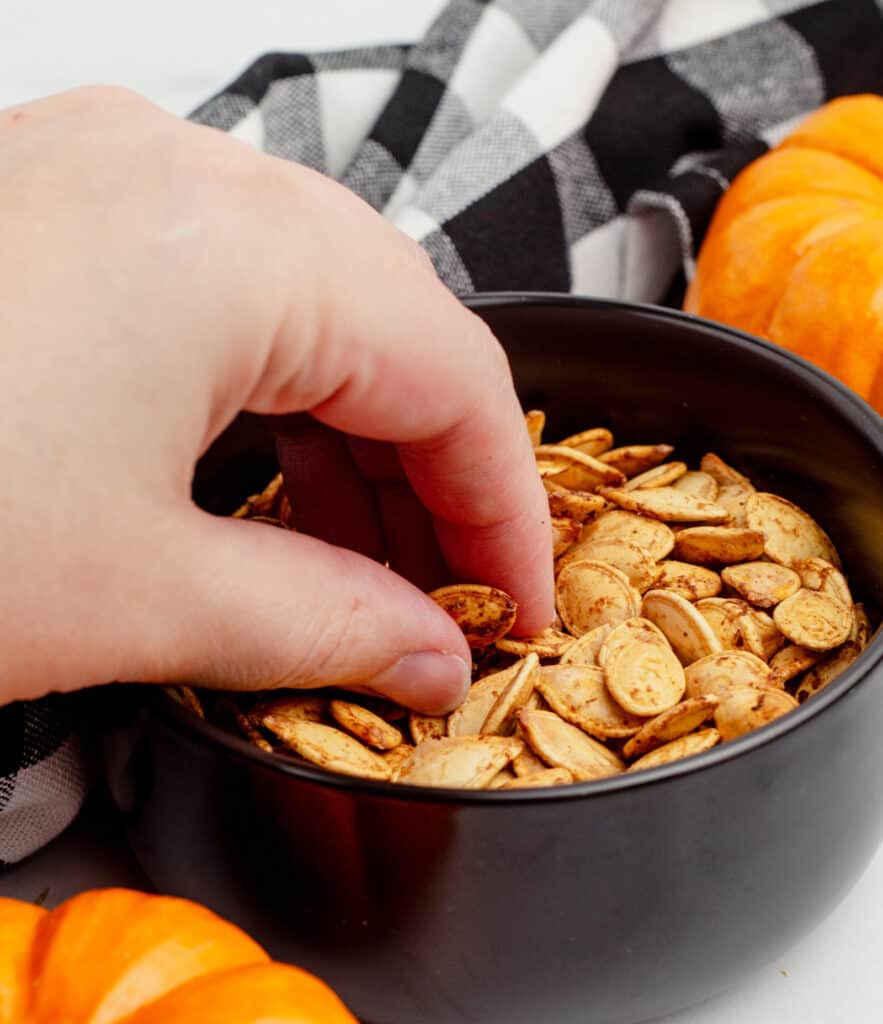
x: 795, y: 249
x: 114, y: 956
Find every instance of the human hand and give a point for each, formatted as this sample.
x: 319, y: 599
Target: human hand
x: 157, y: 277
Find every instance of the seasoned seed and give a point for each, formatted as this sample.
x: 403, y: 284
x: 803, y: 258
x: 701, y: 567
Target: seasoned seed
x: 813, y: 619
x: 187, y: 696
x: 644, y: 676
x: 718, y: 545
x: 484, y: 614
x: 637, y: 458
x: 575, y: 469
x: 764, y: 584
x: 721, y: 614
x: 277, y: 714
x: 595, y: 441
x: 547, y: 777
x: 365, y: 725
x: 759, y: 633
x: 332, y: 749
x: 562, y: 745
x: 576, y: 505
x: 551, y: 643
x: 579, y: 695
x: 396, y: 757
x: 861, y: 626
x: 502, y: 715
x: 263, y: 504
x: 671, y: 724
x: 666, y: 504
x: 631, y: 631
x: 817, y: 574
x: 789, y: 663
x: 692, y: 582
x: 470, y: 716
x: 653, y: 536
x: 565, y: 532
x: 734, y: 498
x: 502, y: 779
x: 535, y: 421
x: 724, y: 474
x: 527, y: 762
x: 699, y: 484
x: 826, y: 671
x: 244, y: 724
x: 677, y: 750
x: 640, y: 567
x: 459, y: 762
x: 590, y: 594
x: 660, y: 476
x: 584, y: 651
x: 791, y: 534
x: 749, y: 708
x: 687, y: 631
x: 717, y: 675
x: 427, y: 727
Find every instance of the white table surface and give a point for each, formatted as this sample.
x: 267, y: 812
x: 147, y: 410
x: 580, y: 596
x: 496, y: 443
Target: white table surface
x: 179, y: 53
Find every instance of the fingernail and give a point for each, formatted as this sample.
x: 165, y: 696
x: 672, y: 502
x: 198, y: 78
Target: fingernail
x: 429, y: 681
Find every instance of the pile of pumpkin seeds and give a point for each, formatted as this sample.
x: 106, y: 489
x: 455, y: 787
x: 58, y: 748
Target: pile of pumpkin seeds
x: 692, y: 609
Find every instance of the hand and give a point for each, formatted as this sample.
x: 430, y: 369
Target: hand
x: 157, y: 277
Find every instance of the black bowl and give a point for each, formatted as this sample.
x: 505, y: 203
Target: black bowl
x: 611, y: 902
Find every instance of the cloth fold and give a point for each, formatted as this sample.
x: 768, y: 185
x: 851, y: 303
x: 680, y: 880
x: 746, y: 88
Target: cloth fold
x: 561, y: 145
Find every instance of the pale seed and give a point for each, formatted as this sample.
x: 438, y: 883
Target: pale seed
x: 396, y: 757
x: 565, y: 533
x: 721, y: 614
x: 759, y: 633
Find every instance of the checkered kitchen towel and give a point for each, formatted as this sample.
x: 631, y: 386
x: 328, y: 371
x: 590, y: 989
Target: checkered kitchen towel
x: 564, y: 145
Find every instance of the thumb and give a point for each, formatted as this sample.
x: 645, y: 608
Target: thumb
x: 259, y: 607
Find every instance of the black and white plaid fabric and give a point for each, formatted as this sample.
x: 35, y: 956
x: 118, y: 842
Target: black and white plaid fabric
x: 561, y: 145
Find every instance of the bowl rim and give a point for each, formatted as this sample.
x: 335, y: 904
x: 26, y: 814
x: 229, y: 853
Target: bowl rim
x: 201, y: 732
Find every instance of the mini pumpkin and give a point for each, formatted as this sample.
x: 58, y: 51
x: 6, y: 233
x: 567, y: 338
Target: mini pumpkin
x: 794, y: 253
x: 114, y: 956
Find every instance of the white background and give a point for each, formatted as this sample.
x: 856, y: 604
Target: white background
x: 179, y: 53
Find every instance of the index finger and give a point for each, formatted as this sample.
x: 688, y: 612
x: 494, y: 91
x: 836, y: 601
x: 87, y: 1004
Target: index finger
x: 398, y: 358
